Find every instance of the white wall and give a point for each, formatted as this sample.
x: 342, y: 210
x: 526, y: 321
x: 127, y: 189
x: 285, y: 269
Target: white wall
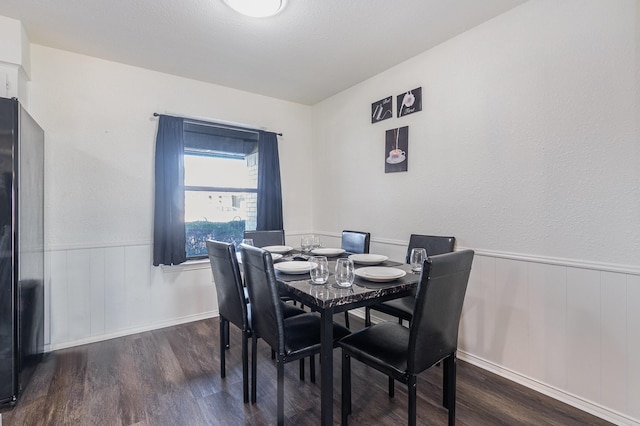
x: 100, y: 138
x: 527, y: 141
x: 527, y: 150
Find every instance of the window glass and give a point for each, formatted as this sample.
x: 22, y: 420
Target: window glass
x: 220, y: 198
x: 221, y: 172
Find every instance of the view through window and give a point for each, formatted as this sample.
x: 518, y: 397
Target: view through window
x: 220, y: 195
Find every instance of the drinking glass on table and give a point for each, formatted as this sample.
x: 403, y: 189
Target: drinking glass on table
x: 344, y: 272
x: 418, y: 256
x: 306, y: 243
x: 315, y: 242
x: 247, y: 241
x: 320, y: 272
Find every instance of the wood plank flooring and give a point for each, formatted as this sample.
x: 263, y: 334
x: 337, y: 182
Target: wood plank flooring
x: 171, y: 376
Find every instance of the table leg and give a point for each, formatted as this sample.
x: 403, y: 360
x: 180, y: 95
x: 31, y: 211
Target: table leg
x: 326, y: 365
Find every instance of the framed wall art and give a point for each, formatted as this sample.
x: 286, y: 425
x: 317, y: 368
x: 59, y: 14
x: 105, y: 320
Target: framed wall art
x: 409, y: 102
x: 382, y: 109
x: 396, y: 150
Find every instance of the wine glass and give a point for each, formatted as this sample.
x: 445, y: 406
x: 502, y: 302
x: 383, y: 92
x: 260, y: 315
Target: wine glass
x: 418, y: 256
x: 315, y: 242
x: 344, y: 272
x: 320, y: 272
x: 306, y: 243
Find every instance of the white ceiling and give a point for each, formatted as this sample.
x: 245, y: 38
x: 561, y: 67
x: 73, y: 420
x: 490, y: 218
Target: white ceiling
x: 308, y: 52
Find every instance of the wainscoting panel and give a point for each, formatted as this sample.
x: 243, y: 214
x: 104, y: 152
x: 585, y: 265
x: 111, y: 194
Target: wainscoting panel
x: 511, y: 333
x: 633, y: 345
x: 478, y: 322
x: 613, y: 340
x: 114, y: 290
x: 547, y: 286
x: 571, y: 332
x: 583, y: 333
x: 96, y: 293
x: 98, y: 285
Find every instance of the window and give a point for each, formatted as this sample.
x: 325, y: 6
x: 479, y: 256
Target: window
x: 220, y: 184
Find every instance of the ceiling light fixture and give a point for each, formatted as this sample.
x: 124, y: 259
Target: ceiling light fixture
x: 256, y: 8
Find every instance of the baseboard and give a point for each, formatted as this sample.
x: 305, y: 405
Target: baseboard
x: 133, y: 330
x: 555, y: 393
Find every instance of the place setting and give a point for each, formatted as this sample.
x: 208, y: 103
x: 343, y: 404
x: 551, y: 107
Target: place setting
x: 370, y: 259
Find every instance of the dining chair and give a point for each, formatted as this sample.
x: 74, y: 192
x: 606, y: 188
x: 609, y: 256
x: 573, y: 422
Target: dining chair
x: 266, y: 238
x: 402, y: 308
x: 292, y: 338
x: 354, y: 242
x: 233, y: 305
x: 402, y: 353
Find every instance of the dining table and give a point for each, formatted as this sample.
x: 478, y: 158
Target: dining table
x: 329, y: 299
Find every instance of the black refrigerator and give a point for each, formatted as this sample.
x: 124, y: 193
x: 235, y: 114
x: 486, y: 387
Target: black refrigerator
x: 21, y: 248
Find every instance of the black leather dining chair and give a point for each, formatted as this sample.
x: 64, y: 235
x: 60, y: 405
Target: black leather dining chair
x: 233, y: 305
x: 292, y: 338
x: 402, y: 353
x: 402, y: 308
x: 266, y: 238
x: 355, y: 242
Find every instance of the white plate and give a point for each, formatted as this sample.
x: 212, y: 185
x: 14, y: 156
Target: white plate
x: 294, y: 267
x: 327, y: 251
x: 278, y: 249
x: 368, y: 259
x: 380, y: 274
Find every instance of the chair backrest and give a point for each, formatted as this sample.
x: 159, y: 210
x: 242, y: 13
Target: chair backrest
x: 434, y: 244
x: 266, y: 238
x: 228, y: 281
x: 266, y: 309
x: 436, y: 314
x: 356, y: 241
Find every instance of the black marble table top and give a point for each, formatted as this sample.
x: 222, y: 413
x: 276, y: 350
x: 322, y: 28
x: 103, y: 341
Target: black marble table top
x: 361, y: 293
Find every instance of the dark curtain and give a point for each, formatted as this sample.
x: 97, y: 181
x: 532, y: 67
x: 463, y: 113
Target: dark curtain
x: 168, y: 226
x: 269, y: 187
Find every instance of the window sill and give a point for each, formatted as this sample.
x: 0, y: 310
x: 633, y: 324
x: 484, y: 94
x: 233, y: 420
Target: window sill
x: 189, y: 265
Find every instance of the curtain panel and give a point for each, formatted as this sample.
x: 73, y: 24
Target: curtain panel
x: 269, y: 207
x: 169, y: 239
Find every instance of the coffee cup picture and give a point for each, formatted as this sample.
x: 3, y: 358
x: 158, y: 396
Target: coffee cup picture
x: 396, y: 153
x: 396, y: 148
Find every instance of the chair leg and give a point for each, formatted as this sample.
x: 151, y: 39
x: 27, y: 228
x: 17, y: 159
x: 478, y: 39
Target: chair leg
x: 346, y: 388
x: 273, y: 354
x: 450, y: 365
x: 445, y: 384
x: 367, y: 316
x: 301, y: 368
x: 280, y: 391
x: 226, y: 334
x: 411, y: 388
x: 245, y: 366
x: 222, y: 348
x: 346, y: 319
x: 254, y: 362
x: 312, y: 368
x: 392, y: 387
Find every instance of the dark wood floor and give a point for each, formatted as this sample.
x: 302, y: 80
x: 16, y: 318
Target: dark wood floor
x: 172, y: 377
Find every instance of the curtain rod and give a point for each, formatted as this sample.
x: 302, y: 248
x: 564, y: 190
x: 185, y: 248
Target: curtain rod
x: 155, y: 114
